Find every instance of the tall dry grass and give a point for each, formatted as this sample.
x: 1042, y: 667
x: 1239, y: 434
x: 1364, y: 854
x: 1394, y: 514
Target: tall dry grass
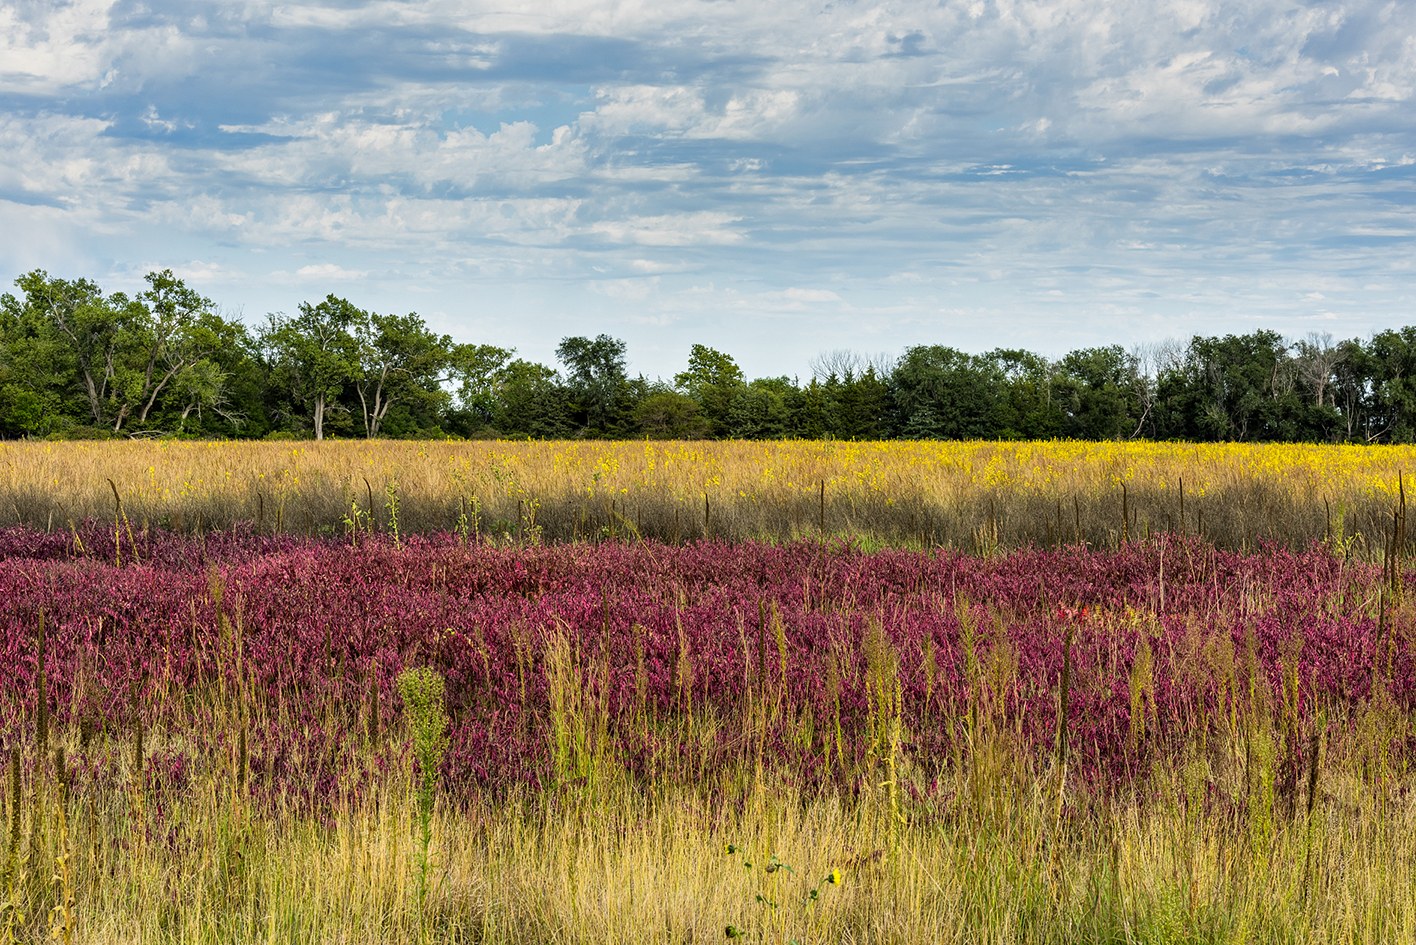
x: 975, y: 495
x: 995, y: 849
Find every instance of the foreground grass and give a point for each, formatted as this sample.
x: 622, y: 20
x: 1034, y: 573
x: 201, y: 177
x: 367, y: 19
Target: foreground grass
x: 995, y: 853
x: 980, y: 496
x: 249, y: 739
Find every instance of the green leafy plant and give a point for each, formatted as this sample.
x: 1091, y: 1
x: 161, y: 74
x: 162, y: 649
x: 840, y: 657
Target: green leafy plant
x: 468, y: 525
x: 770, y: 897
x: 354, y: 520
x: 391, y: 491
x: 422, y: 692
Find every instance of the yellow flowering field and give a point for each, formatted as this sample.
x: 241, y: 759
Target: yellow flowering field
x: 959, y: 493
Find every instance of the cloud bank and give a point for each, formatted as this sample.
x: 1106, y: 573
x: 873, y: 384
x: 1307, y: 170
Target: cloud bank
x: 772, y: 178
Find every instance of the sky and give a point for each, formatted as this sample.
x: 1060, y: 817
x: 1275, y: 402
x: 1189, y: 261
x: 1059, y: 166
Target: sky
x: 774, y: 179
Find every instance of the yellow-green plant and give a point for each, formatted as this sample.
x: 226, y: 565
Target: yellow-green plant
x: 62, y: 919
x: 391, y: 491
x: 14, y: 859
x: 352, y: 520
x: 422, y: 692
x: 886, y: 701
x: 120, y: 516
x: 468, y: 523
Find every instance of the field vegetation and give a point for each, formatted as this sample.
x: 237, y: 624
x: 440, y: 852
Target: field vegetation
x: 244, y: 736
x: 979, y: 496
x: 680, y: 692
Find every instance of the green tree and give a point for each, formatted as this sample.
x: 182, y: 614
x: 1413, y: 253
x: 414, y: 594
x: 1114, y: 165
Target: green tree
x: 92, y: 326
x: 811, y: 417
x: 166, y: 343
x: 37, y: 374
x: 1352, y: 392
x: 1391, y: 364
x: 315, y: 354
x: 763, y: 410
x: 714, y: 380
x: 205, y: 385
x: 533, y: 402
x: 595, y: 374
x: 478, y: 371
x: 859, y: 406
x: 1245, y: 387
x: 669, y: 415
x: 708, y: 368
x: 127, y: 355
x: 945, y: 394
x: 1094, y: 388
x: 1029, y: 407
x: 398, y: 360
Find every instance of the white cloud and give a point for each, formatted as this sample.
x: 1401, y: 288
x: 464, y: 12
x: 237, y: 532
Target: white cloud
x: 318, y: 273
x: 626, y: 290
x: 53, y: 47
x: 806, y: 295
x: 685, y: 112
x: 655, y: 266
x: 1211, y: 155
x: 684, y: 229
x: 199, y: 271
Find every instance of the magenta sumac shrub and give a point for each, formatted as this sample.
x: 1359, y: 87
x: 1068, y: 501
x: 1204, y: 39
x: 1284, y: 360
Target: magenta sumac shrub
x: 768, y: 643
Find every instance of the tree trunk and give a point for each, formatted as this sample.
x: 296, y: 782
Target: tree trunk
x: 95, y: 402
x: 380, y: 413
x: 142, y: 417
x: 319, y: 416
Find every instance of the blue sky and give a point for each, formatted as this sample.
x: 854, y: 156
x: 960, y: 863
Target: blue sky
x: 770, y: 178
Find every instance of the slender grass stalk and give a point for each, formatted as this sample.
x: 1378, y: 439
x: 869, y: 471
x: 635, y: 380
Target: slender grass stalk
x: 62, y: 917
x: 372, y: 725
x: 73, y: 529
x: 369, y: 494
x: 41, y: 715
x: 1125, y: 515
x: 12, y: 845
x: 137, y: 786
x: 121, y: 517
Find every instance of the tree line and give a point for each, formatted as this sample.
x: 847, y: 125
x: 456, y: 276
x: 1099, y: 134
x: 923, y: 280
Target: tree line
x: 78, y: 363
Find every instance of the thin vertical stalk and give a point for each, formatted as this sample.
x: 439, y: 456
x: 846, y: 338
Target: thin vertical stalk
x: 1125, y: 516
x: 41, y: 722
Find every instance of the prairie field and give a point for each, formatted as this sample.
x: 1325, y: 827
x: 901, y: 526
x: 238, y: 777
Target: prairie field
x: 518, y: 693
x: 975, y: 496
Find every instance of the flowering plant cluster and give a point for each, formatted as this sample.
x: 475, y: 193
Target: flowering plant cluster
x: 658, y: 660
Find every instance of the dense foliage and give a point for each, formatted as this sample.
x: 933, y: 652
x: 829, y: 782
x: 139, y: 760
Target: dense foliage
x: 808, y: 654
x: 76, y: 363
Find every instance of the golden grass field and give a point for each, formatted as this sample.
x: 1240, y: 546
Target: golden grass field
x: 627, y: 866
x: 973, y: 495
